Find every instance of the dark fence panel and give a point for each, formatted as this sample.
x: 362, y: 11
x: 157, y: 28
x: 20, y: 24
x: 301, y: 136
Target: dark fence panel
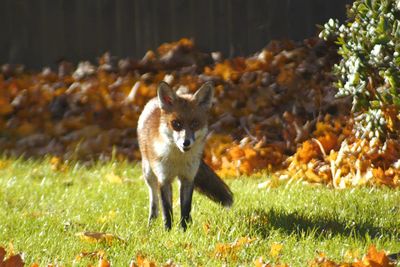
x: 40, y: 32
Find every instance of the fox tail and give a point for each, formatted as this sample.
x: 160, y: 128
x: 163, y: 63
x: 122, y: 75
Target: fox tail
x: 208, y: 183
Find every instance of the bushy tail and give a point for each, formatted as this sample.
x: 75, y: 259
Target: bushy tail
x: 208, y: 183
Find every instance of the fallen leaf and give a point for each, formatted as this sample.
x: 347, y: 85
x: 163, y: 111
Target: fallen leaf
x: 3, y: 253
x: 375, y: 258
x: 103, y: 262
x: 12, y: 260
x: 229, y: 250
x: 113, y: 178
x: 142, y: 261
x: 276, y: 249
x: 259, y: 262
x: 95, y: 237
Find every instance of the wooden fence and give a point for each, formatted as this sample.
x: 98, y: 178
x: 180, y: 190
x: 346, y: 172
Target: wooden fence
x: 40, y: 32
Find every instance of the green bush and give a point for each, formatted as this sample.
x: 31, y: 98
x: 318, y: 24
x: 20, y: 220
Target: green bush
x: 369, y: 72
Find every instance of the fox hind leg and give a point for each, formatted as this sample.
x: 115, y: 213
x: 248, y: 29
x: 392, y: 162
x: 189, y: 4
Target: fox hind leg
x: 186, y: 195
x: 152, y: 183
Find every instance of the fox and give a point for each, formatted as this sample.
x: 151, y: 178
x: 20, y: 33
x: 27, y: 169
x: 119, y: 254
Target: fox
x: 172, y: 131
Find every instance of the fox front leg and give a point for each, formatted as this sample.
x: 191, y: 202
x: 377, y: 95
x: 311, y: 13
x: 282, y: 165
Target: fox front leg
x: 166, y: 200
x: 186, y: 194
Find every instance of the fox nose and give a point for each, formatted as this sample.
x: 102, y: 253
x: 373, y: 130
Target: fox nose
x: 186, y: 143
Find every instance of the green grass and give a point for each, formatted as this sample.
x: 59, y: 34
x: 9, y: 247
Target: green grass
x: 42, y: 210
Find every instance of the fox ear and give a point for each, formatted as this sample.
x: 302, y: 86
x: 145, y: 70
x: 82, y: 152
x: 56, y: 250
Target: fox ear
x: 166, y: 96
x: 204, y: 95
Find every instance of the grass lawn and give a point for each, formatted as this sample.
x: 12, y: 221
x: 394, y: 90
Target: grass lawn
x: 43, y: 210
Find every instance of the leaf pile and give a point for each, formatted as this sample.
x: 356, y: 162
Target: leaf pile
x: 355, y: 162
x: 273, y: 110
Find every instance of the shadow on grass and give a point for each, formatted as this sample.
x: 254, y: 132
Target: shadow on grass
x: 300, y: 225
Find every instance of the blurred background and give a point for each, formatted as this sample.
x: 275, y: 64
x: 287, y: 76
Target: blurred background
x: 42, y: 32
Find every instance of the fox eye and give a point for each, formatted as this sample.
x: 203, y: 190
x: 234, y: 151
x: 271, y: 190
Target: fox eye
x: 194, y: 124
x: 176, y: 125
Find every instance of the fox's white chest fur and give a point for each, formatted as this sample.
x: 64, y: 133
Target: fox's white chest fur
x: 172, y: 161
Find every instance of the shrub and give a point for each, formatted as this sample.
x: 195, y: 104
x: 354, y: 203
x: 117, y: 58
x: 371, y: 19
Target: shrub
x: 369, y: 71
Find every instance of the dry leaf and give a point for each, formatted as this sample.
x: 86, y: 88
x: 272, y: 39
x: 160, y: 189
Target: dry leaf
x: 113, y: 178
x: 375, y: 258
x: 259, y: 262
x: 103, y: 262
x: 142, y: 261
x: 94, y: 237
x: 276, y: 250
x: 229, y: 251
x: 12, y: 260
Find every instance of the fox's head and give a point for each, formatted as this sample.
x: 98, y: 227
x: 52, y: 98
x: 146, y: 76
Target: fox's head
x: 184, y: 117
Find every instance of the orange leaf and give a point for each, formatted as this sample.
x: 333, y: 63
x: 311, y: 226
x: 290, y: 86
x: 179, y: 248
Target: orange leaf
x: 2, y: 254
x: 229, y: 250
x: 103, y: 262
x: 5, y: 108
x: 13, y: 261
x: 377, y: 258
x: 308, y: 151
x: 236, y: 153
x: 143, y: 262
x: 25, y: 129
x: 260, y: 263
x: 328, y: 141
